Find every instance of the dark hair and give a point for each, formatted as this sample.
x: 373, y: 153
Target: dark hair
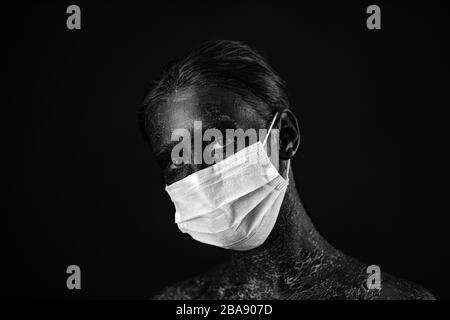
x: 221, y: 63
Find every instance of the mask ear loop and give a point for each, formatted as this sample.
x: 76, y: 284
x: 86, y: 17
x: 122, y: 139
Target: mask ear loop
x: 270, y: 128
x: 288, y: 167
x: 265, y: 140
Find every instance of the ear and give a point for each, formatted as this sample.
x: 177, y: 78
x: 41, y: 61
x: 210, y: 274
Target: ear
x: 289, y: 134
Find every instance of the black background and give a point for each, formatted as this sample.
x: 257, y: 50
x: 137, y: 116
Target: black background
x: 84, y: 189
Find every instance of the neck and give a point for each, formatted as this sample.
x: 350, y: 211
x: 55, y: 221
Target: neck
x: 293, y: 242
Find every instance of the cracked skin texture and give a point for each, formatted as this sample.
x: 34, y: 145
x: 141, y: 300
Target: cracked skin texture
x: 317, y: 278
x: 291, y: 264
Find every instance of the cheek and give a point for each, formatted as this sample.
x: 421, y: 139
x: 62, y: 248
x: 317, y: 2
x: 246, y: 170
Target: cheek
x: 172, y: 176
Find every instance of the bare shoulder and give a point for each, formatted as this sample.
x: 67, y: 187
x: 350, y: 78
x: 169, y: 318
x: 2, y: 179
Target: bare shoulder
x: 398, y: 289
x: 203, y: 286
x: 349, y: 280
x: 189, y: 289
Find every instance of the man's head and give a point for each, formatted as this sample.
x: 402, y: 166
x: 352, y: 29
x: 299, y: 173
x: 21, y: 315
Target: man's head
x: 223, y: 84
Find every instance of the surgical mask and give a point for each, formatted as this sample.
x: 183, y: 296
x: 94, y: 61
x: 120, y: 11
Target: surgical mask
x: 234, y: 203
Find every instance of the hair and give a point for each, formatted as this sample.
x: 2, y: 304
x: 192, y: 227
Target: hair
x: 220, y: 63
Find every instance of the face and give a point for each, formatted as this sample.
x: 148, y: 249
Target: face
x: 216, y: 108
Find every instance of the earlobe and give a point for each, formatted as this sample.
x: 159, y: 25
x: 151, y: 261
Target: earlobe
x: 289, y: 134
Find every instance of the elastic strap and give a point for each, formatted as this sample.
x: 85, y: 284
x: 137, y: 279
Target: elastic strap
x: 287, y: 171
x: 270, y: 128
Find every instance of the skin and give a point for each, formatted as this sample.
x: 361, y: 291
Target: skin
x: 295, y: 262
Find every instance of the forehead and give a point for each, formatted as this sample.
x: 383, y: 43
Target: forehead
x: 214, y: 107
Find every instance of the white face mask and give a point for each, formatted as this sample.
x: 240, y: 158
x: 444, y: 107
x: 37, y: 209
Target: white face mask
x: 234, y: 203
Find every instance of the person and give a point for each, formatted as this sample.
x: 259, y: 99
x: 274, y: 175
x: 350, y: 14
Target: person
x: 230, y: 85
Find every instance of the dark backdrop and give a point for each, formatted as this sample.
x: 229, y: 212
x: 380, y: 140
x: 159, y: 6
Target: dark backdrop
x: 83, y: 188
